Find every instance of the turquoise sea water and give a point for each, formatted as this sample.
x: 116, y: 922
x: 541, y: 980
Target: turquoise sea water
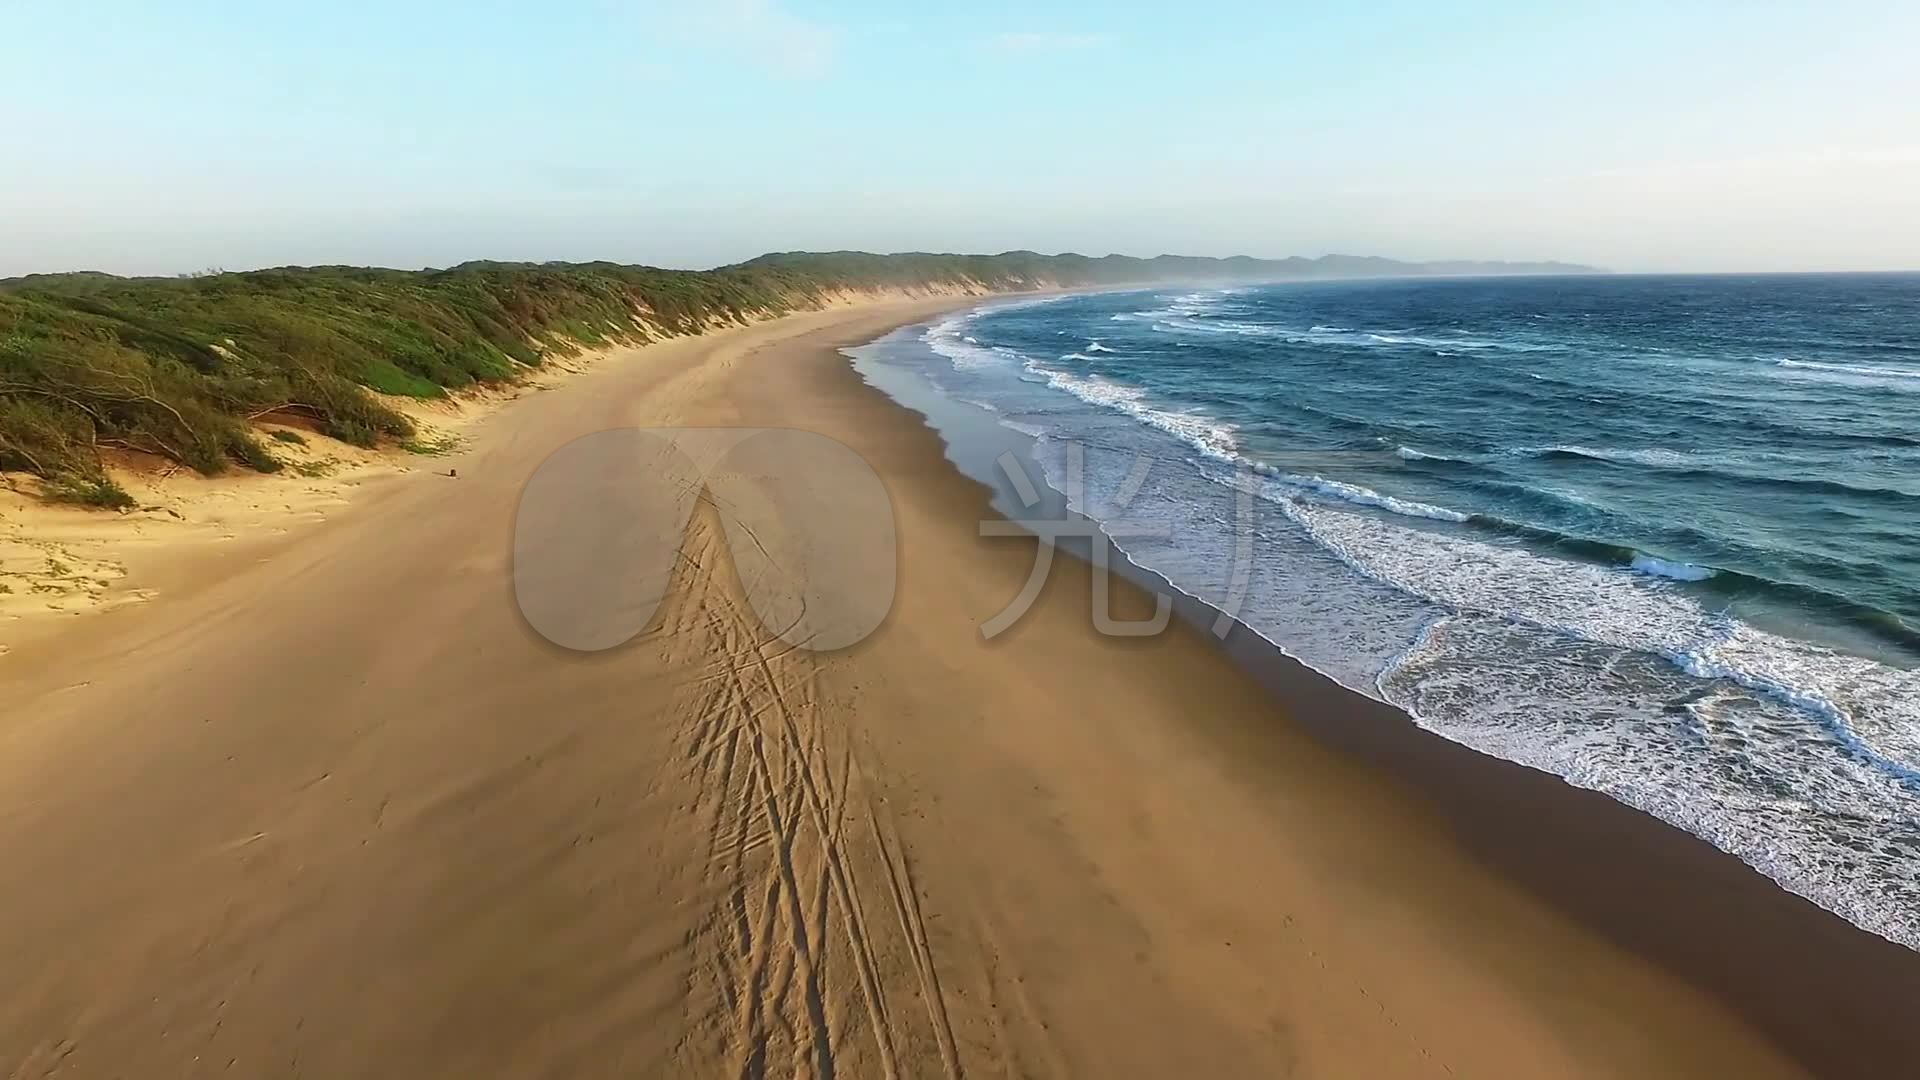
x: 1657, y: 535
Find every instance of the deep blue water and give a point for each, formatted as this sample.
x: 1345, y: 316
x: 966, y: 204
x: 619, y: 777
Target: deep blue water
x: 1658, y: 535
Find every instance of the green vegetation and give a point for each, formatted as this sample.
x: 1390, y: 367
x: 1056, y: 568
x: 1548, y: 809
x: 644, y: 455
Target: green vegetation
x: 316, y: 468
x: 180, y: 367
x: 435, y: 446
x: 285, y: 436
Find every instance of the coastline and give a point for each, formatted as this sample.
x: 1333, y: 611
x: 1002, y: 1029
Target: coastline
x: 1104, y: 855
x: 1828, y: 991
x: 1688, y: 700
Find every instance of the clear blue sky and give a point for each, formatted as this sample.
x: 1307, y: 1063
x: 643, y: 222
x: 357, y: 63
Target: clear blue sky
x: 149, y: 136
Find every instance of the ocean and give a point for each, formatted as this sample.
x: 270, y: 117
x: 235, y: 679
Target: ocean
x: 1659, y: 536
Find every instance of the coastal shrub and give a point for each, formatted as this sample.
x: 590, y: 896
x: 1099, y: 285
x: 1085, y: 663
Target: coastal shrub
x: 100, y: 492
x: 47, y: 438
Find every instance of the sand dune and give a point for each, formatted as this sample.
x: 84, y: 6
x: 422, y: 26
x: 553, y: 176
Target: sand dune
x: 330, y: 808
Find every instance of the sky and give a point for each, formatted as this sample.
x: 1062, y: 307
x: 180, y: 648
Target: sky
x: 147, y: 137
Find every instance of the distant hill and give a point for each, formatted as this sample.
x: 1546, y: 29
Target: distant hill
x: 1066, y: 270
x: 1070, y: 269
x: 176, y: 367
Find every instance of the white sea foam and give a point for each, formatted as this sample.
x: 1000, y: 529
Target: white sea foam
x: 1677, y: 571
x: 1364, y: 496
x: 1865, y: 370
x: 1614, y: 606
x: 961, y: 351
x: 1653, y: 457
x: 1748, y: 773
x: 1214, y: 438
x: 1178, y: 319
x: 1095, y: 346
x: 1431, y: 342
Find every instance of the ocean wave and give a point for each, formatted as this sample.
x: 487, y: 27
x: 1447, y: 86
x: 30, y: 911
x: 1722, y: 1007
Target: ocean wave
x: 961, y: 350
x: 1867, y: 370
x: 1676, y: 571
x: 1748, y: 469
x: 1197, y: 306
x: 1095, y: 346
x: 1214, y: 438
x: 1361, y: 496
x: 998, y: 307
x: 1177, y: 319
x: 1654, y: 457
x: 1356, y: 495
x: 1603, y: 604
x: 1527, y: 494
x: 1877, y: 623
x: 1746, y: 772
x: 1433, y: 343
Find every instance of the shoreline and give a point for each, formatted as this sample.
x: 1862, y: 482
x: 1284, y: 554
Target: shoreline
x: 1824, y: 987
x: 251, y: 830
x: 891, y: 364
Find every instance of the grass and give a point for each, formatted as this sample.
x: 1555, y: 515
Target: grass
x: 316, y: 469
x: 436, y: 446
x: 285, y: 436
x: 177, y: 368
x: 100, y: 492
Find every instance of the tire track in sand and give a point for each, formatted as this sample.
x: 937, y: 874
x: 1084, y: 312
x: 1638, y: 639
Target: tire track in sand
x: 791, y: 976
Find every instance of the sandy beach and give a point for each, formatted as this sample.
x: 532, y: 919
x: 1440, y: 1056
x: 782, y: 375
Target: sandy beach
x: 325, y: 805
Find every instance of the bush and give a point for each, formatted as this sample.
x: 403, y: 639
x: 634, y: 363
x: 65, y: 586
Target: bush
x: 102, y: 492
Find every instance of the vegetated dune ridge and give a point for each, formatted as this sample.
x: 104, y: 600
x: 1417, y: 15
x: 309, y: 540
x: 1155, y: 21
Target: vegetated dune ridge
x: 333, y: 809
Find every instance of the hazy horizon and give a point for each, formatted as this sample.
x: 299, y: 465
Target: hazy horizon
x: 1576, y: 269
x: 1573, y: 268
x: 1718, y: 138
